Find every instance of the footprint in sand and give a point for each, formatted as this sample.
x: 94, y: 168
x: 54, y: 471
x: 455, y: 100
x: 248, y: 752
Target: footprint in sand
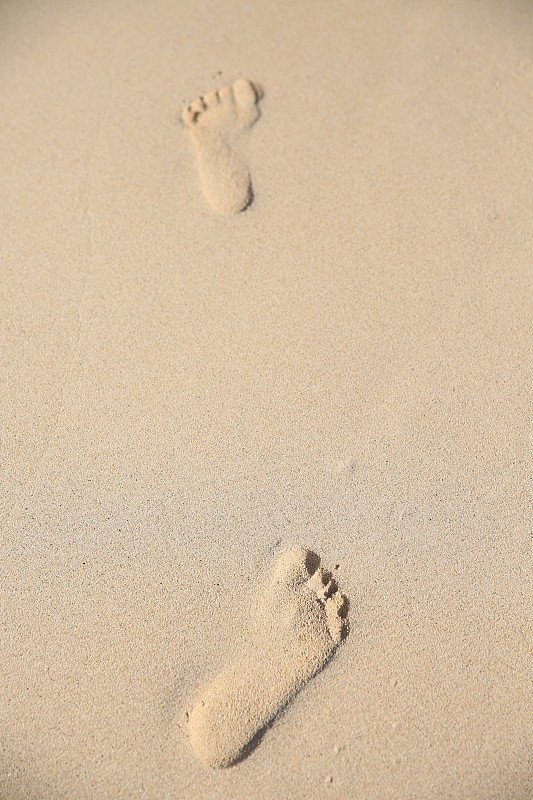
x: 299, y: 622
x: 218, y: 123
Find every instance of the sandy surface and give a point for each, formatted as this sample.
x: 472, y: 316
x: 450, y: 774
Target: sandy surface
x: 343, y: 366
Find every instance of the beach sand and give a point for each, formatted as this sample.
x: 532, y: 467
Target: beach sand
x: 187, y: 395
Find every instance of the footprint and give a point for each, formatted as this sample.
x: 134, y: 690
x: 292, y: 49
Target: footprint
x: 218, y: 123
x: 299, y: 622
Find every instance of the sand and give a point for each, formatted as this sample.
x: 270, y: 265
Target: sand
x: 188, y: 394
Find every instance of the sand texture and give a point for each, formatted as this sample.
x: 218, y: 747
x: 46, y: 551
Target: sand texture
x: 224, y: 337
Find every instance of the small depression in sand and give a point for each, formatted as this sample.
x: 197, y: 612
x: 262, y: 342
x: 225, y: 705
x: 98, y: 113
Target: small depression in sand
x: 300, y: 619
x: 219, y: 123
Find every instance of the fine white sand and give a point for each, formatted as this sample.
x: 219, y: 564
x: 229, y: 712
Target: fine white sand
x: 186, y: 395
